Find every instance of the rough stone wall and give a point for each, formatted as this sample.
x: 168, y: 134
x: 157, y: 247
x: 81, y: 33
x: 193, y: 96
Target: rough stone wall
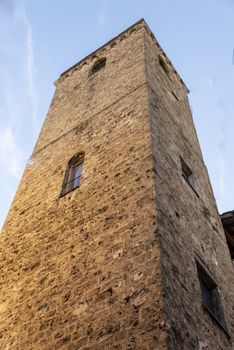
x: 189, y: 225
x: 107, y: 266
x: 82, y: 271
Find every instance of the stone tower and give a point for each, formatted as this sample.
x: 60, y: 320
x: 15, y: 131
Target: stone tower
x: 113, y: 240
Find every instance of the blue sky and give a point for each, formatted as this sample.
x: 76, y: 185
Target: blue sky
x: 41, y: 39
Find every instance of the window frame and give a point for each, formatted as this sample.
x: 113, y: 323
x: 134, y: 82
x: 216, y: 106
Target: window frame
x: 69, y: 183
x: 209, y: 288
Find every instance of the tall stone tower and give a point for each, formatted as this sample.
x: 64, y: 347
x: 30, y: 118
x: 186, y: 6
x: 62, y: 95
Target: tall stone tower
x: 113, y: 240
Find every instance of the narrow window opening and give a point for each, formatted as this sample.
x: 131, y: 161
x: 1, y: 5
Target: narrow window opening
x: 188, y: 175
x: 100, y: 64
x: 163, y: 64
x: 73, y: 174
x: 210, y: 296
x: 187, y: 172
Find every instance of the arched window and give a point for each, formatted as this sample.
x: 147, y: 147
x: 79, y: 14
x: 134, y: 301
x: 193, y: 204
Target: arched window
x: 98, y: 65
x: 73, y: 173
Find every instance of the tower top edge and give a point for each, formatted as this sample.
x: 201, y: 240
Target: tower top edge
x: 140, y: 23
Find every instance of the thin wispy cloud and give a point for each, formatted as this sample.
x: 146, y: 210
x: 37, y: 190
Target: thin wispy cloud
x: 11, y: 156
x: 18, y: 96
x: 210, y: 82
x: 102, y: 14
x: 7, y: 95
x: 30, y: 66
x: 221, y: 175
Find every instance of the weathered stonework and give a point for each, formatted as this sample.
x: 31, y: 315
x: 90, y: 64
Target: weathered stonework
x: 111, y: 265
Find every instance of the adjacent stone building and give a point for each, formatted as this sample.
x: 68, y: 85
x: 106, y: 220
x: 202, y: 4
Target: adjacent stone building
x: 113, y: 240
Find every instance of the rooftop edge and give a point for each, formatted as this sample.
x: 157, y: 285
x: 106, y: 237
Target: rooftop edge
x: 118, y: 36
